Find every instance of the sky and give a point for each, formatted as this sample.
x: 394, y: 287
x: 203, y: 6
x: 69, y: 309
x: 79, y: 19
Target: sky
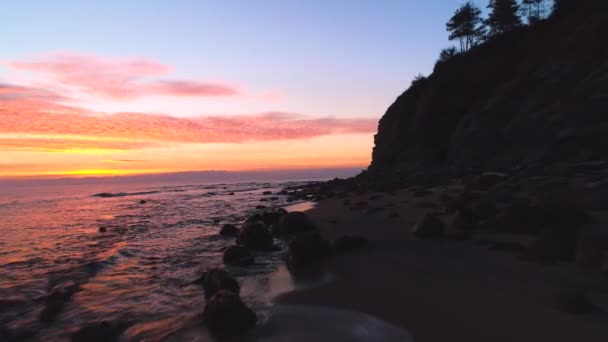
x: 129, y: 87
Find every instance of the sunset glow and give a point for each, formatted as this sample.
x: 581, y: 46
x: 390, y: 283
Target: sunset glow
x: 82, y: 97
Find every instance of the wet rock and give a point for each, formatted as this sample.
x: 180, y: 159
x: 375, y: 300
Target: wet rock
x: 238, y: 256
x: 263, y: 199
x: 427, y: 205
x: 226, y: 315
x: 267, y: 193
x: 348, y: 243
x: 260, y: 207
x: 272, y: 217
x: 255, y: 235
x: 374, y: 210
x: 217, y: 279
x: 100, y: 332
x: 229, y: 230
x: 293, y: 223
x: 465, y: 220
x: 487, y: 180
x: 142, y: 202
x: 103, y: 229
x: 422, y: 193
x: 591, y: 247
x: 55, y: 302
x: 576, y: 303
x: 307, y: 249
x: 430, y: 227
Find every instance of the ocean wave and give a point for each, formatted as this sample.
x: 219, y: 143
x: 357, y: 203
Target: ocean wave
x: 123, y: 194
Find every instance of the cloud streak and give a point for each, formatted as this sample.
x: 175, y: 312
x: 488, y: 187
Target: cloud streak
x: 116, y: 78
x: 30, y: 120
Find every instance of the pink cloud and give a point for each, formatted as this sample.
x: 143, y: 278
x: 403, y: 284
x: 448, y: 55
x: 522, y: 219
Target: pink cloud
x: 115, y: 78
x: 50, y: 126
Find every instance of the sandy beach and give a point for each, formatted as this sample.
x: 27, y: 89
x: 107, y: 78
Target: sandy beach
x: 446, y: 290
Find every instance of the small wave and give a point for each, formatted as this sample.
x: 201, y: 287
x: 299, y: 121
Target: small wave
x: 123, y: 194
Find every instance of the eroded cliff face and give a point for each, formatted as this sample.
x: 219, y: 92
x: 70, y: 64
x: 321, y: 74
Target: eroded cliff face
x: 536, y: 96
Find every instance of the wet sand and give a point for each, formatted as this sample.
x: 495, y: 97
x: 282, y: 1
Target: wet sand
x: 446, y: 290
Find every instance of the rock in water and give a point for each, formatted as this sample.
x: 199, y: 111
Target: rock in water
x: 272, y: 217
x: 293, y: 223
x: 226, y: 315
x: 349, y: 243
x: 255, y: 235
x: 99, y: 332
x: 307, y: 249
x: 267, y: 193
x: 217, y: 279
x: 431, y: 227
x: 55, y: 302
x: 229, y: 230
x: 238, y: 256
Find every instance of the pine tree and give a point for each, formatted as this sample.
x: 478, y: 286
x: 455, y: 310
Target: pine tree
x: 465, y: 26
x: 503, y: 16
x: 534, y: 10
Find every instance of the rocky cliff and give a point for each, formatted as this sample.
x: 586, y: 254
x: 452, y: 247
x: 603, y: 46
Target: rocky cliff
x: 535, y: 96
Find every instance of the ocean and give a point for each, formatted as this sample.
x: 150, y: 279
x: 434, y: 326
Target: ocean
x: 139, y: 268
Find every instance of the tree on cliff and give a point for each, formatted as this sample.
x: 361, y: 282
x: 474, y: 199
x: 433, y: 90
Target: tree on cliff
x: 503, y: 16
x: 465, y: 25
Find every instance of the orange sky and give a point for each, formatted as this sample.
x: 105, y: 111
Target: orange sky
x: 52, y: 123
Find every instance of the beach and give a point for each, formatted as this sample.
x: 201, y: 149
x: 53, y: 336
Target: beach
x: 445, y: 290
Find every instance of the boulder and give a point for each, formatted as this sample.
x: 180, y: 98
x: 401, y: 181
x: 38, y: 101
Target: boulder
x: 226, y: 315
x: 229, y: 230
x: 293, y: 223
x: 255, y: 235
x: 591, y: 247
x: 238, y: 256
x: 307, y: 249
x: 465, y: 220
x: 260, y: 206
x: 100, y: 332
x: 430, y: 227
x: 349, y: 243
x: 487, y: 180
x: 272, y: 217
x: 56, y: 300
x: 576, y: 303
x: 267, y: 193
x: 218, y: 279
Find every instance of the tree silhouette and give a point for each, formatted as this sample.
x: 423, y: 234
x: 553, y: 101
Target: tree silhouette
x: 447, y: 54
x: 503, y: 16
x: 534, y: 10
x: 465, y: 26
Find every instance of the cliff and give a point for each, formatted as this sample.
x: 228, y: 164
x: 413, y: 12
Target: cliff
x: 535, y: 96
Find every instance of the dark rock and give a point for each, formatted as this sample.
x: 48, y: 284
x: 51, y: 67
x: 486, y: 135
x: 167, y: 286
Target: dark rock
x: 263, y: 200
x: 226, y: 315
x: 142, y: 201
x: 238, y: 256
x: 307, y: 249
x: 55, y: 302
x: 272, y: 217
x: 260, y: 207
x: 374, y: 210
x: 293, y: 223
x: 267, y: 193
x: 231, y: 193
x: 349, y: 243
x: 229, y: 230
x: 427, y: 205
x: 422, y: 193
x: 103, y: 229
x: 504, y: 246
x: 430, y: 227
x: 255, y: 235
x: 274, y: 198
x: 576, y: 303
x: 487, y: 180
x: 591, y: 247
x: 217, y: 279
x: 100, y: 332
x: 464, y: 220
